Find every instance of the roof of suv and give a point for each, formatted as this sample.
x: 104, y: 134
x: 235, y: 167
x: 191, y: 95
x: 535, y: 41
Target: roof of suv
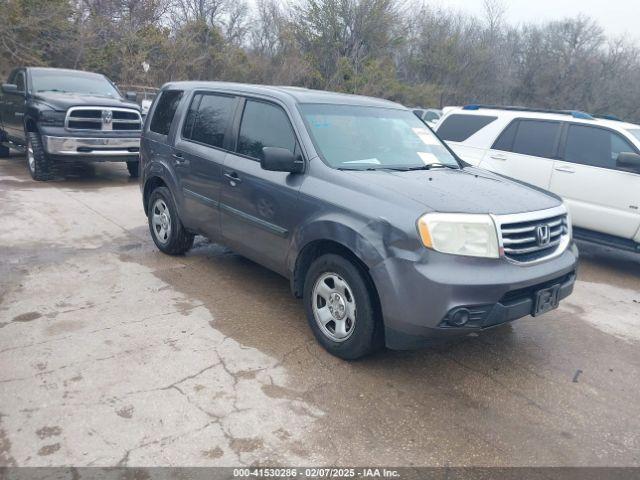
x: 285, y: 93
x: 540, y: 115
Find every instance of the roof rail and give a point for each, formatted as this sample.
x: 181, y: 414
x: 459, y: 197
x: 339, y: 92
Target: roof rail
x: 614, y: 118
x: 573, y: 113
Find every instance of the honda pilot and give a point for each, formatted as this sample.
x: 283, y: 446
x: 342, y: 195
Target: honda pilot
x: 384, y: 233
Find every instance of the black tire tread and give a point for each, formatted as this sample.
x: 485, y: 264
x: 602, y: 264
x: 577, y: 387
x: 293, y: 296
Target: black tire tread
x: 181, y: 241
x: 43, y: 164
x: 5, y: 152
x: 134, y: 169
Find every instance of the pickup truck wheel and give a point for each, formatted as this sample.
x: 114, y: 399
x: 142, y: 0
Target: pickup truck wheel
x: 4, y: 151
x: 166, y: 228
x: 134, y: 169
x: 340, y: 308
x: 37, y: 159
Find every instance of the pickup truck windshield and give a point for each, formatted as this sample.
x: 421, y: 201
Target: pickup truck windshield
x: 72, y: 82
x: 362, y: 138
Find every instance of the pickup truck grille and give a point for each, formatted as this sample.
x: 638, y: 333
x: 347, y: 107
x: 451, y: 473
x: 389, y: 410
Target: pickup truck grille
x: 103, y: 119
x: 531, y: 240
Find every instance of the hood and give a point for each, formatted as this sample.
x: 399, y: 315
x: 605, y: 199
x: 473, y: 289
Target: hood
x: 468, y: 190
x: 62, y: 101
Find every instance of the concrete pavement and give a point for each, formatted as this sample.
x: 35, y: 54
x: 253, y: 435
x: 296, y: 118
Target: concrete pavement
x: 112, y: 353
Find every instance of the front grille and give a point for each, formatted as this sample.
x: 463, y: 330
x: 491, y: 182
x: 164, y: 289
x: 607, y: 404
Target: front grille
x: 531, y: 240
x: 103, y: 118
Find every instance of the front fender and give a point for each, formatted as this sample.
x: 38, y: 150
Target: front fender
x: 371, y: 241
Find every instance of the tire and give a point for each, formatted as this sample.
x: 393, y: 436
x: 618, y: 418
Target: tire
x: 38, y: 161
x: 167, y: 232
x: 134, y: 169
x: 356, y: 299
x: 4, y: 151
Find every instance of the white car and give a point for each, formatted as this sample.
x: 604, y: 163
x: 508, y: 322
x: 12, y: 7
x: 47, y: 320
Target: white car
x: 592, y: 163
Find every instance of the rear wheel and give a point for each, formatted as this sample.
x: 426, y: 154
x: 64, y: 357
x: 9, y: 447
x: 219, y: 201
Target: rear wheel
x: 4, y: 151
x: 166, y: 228
x: 341, y: 309
x: 134, y: 169
x: 38, y: 161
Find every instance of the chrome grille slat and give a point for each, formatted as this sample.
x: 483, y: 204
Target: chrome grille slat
x: 91, y: 118
x: 509, y: 231
x: 515, y: 241
x: 519, y: 235
x: 522, y: 251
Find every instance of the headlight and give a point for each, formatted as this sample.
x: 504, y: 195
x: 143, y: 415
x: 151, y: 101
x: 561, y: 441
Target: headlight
x: 52, y: 118
x: 459, y: 234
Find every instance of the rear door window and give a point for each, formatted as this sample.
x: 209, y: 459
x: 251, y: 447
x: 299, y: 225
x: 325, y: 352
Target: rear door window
x: 505, y: 140
x: 536, y: 138
x: 458, y: 128
x: 165, y: 111
x: 594, y: 146
x: 208, y: 119
x: 264, y: 125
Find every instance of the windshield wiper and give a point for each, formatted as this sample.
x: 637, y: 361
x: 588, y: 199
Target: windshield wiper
x: 368, y: 169
x: 428, y: 166
x: 53, y: 90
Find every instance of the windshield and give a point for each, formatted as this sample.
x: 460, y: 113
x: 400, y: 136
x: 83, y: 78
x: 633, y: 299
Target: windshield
x: 353, y: 137
x: 635, y: 133
x: 72, y: 82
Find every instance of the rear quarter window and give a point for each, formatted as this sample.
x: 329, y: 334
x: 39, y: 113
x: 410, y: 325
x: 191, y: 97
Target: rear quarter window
x: 458, y: 128
x: 165, y: 111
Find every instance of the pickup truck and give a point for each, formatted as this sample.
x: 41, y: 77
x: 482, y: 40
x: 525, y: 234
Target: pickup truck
x: 58, y: 115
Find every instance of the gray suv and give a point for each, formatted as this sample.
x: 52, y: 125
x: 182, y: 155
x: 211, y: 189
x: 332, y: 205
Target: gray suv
x: 387, y: 236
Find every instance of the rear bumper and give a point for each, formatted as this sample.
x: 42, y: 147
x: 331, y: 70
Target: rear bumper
x: 418, y: 298
x: 111, y: 148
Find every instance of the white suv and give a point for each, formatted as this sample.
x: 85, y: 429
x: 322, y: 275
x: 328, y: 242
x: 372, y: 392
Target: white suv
x: 593, y: 163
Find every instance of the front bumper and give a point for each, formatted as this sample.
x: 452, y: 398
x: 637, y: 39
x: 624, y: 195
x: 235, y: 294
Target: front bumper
x: 418, y: 298
x: 92, y: 147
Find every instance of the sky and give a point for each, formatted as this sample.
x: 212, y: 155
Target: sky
x: 617, y: 17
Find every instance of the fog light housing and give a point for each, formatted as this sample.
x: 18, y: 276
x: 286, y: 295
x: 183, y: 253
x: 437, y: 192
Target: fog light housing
x: 459, y: 317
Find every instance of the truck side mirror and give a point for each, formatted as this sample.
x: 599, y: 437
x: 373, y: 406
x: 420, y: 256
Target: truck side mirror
x: 9, y: 88
x: 131, y: 96
x: 280, y: 160
x: 629, y: 161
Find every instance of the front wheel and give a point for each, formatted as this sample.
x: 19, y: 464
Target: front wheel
x: 166, y: 228
x: 341, y: 310
x: 38, y: 161
x: 134, y: 168
x: 4, y: 151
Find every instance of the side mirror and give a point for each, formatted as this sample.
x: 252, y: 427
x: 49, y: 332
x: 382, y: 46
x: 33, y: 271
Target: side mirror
x: 9, y: 88
x: 131, y: 96
x: 280, y: 160
x: 629, y: 161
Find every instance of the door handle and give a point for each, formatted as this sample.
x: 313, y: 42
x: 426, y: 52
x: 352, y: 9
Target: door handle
x: 233, y: 178
x: 565, y: 169
x: 502, y: 158
x: 179, y: 159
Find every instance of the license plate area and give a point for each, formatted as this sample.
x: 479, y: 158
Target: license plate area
x: 546, y: 300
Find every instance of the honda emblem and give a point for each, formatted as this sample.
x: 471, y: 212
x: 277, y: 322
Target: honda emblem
x: 543, y: 235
